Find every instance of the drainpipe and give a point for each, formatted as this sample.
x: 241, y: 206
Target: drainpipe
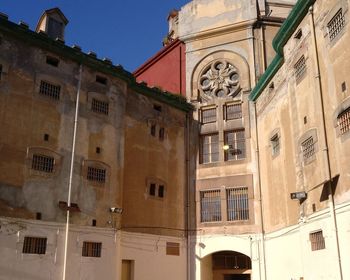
x: 324, y: 134
x: 260, y: 197
x: 71, y: 173
x: 188, y: 193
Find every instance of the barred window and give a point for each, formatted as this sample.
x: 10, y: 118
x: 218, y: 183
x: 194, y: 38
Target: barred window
x: 92, y: 249
x: 237, y: 204
x: 50, y: 90
x: 317, y: 240
x: 300, y: 68
x: 99, y: 106
x: 233, y: 111
x: 235, y: 140
x: 34, y: 245
x: 43, y: 163
x: 173, y: 248
x: 210, y: 206
x: 96, y: 174
x: 208, y: 115
x: 336, y: 24
x: 209, y: 148
x: 308, y: 148
x: 275, y: 143
x: 344, y: 121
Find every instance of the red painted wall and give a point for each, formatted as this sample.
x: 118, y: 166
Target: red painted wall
x: 166, y: 69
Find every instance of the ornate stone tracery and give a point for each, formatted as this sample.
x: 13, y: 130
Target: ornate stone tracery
x: 219, y: 79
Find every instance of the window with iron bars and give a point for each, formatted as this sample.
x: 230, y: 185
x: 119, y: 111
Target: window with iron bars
x: 208, y: 115
x: 210, y: 206
x: 235, y: 140
x: 237, y: 204
x: 300, y: 68
x: 209, y: 148
x: 230, y: 260
x: 99, y: 106
x: 275, y: 143
x: 43, y: 163
x: 344, y: 121
x: 335, y: 25
x: 50, y: 90
x: 308, y: 148
x: 34, y: 245
x: 233, y: 111
x: 92, y: 249
x: 96, y: 174
x: 317, y: 240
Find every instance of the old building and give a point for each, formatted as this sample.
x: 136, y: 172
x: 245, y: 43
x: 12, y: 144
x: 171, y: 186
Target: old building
x: 89, y: 187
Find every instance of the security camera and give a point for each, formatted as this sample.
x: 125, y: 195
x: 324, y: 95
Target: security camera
x: 116, y: 210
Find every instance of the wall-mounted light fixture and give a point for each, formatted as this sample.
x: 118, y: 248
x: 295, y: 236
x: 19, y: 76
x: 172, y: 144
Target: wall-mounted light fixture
x: 116, y: 210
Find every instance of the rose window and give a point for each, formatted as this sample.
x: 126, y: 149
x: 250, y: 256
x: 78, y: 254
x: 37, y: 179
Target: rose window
x: 219, y: 79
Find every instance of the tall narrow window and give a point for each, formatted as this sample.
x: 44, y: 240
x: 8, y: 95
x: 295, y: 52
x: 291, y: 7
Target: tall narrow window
x: 336, y: 24
x: 208, y: 115
x: 43, y: 163
x: 210, y: 206
x: 275, y: 144
x: 237, y: 204
x: 317, y: 240
x: 233, y: 111
x: 209, y: 148
x: 50, y: 90
x: 92, y: 249
x: 34, y: 245
x: 300, y: 68
x: 344, y: 121
x: 308, y: 148
x: 235, y: 140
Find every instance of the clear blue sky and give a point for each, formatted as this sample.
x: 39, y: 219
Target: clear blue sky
x: 128, y: 32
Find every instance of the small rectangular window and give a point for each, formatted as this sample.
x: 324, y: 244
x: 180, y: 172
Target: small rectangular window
x: 101, y: 80
x: 161, y: 191
x: 92, y: 249
x: 96, y: 174
x: 52, y: 61
x: 161, y: 133
x: 317, y: 241
x: 210, y: 202
x: 43, y: 163
x: 209, y: 148
x: 308, y: 148
x: 336, y: 24
x: 208, y: 115
x: 99, y: 106
x: 173, y: 249
x: 344, y: 121
x: 300, y: 68
x: 237, y: 204
x: 275, y: 144
x: 34, y: 245
x: 152, y: 189
x: 157, y: 107
x: 233, y: 111
x: 298, y: 34
x: 50, y: 90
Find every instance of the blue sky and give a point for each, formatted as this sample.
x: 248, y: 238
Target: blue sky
x: 128, y: 32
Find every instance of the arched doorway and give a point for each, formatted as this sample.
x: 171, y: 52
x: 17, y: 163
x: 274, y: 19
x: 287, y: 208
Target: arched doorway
x: 226, y: 265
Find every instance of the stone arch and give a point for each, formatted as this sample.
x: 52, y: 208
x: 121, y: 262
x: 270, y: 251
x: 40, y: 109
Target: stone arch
x: 235, y: 59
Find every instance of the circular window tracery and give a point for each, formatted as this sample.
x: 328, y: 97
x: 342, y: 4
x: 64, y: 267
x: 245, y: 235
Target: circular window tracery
x: 219, y: 79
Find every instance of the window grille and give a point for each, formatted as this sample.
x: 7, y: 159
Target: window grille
x: 336, y: 24
x: 317, y: 241
x: 210, y: 206
x: 308, y: 148
x: 208, y: 115
x: 99, y: 106
x: 344, y: 121
x: 209, y: 148
x: 236, y: 142
x: 92, y: 249
x: 300, y: 68
x: 173, y: 248
x: 237, y: 204
x: 233, y: 111
x: 275, y: 143
x: 34, y: 245
x: 43, y: 163
x: 50, y: 90
x: 96, y: 174
x: 101, y: 80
